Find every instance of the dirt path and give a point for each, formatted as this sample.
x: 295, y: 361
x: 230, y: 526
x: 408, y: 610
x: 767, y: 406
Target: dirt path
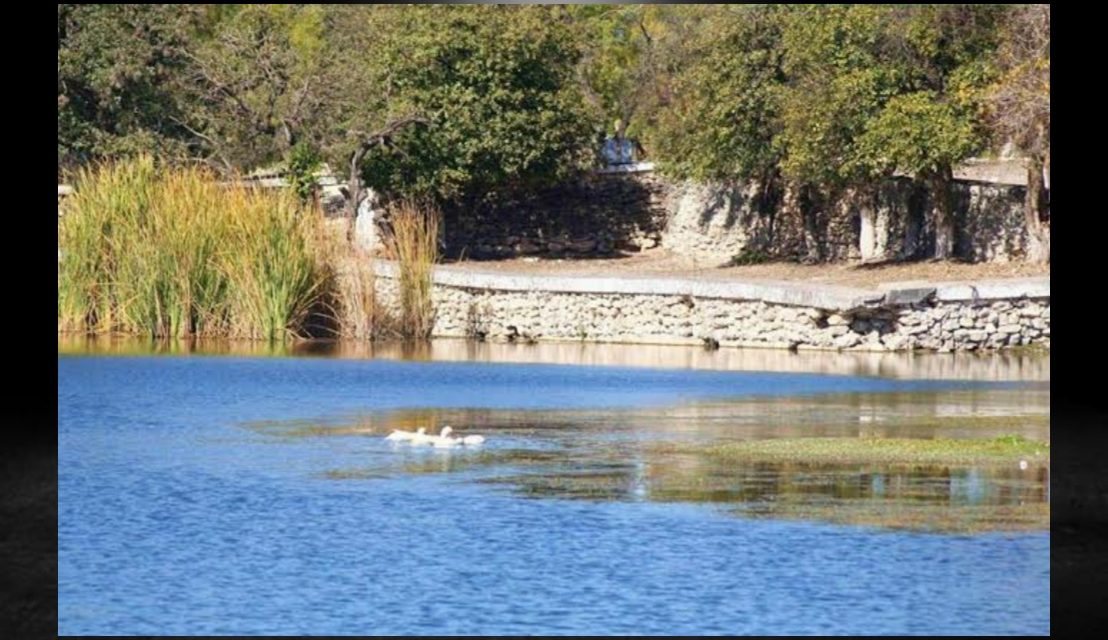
x: 658, y: 262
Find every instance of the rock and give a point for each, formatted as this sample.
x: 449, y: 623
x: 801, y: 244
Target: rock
x: 837, y: 320
x: 365, y: 227
x: 895, y: 342
x: 1009, y: 328
x: 526, y: 247
x: 918, y: 329
x: 585, y: 245
x: 333, y: 203
x: 908, y: 296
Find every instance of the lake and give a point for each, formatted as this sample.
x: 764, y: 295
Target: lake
x: 229, y: 489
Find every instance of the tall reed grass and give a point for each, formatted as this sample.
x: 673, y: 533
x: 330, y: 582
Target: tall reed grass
x: 413, y: 241
x: 176, y: 253
x: 352, y: 303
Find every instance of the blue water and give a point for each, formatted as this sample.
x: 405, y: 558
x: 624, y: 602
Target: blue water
x: 175, y: 518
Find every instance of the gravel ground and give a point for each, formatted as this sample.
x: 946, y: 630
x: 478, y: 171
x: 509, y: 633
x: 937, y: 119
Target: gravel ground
x: 659, y: 262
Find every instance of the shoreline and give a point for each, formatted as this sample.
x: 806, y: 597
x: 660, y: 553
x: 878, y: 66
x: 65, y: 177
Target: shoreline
x: 1005, y: 366
x: 502, y: 305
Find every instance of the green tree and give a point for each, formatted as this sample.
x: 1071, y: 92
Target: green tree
x: 723, y: 117
x: 496, y: 87
x: 836, y: 82
x: 941, y: 56
x: 118, y: 67
x: 253, y: 82
x: 1019, y: 110
x: 629, y: 52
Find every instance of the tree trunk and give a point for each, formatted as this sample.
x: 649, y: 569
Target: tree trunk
x: 870, y: 249
x: 942, y: 212
x: 354, y: 192
x: 809, y: 215
x: 770, y: 199
x: 1038, y: 233
x: 354, y: 185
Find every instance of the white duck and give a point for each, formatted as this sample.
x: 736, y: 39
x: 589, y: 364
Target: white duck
x: 421, y: 438
x: 444, y: 439
x: 403, y: 436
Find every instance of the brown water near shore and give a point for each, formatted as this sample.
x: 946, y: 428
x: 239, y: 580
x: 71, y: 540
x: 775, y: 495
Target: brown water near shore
x: 1016, y: 365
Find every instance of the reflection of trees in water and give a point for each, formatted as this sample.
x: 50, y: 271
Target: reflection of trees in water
x: 952, y: 366
x: 615, y: 455
x: 770, y: 482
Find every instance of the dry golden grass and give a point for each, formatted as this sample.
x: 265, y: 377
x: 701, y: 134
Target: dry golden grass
x: 412, y: 242
x: 175, y: 253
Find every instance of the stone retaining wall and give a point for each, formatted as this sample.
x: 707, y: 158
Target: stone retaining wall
x: 605, y: 213
x: 714, y: 223
x: 943, y: 318
x: 594, y: 214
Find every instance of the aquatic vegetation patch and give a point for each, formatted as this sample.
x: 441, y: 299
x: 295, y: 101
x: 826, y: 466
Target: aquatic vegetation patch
x: 580, y: 485
x: 910, y: 516
x: 455, y: 461
x: 948, y: 451
x: 355, y: 474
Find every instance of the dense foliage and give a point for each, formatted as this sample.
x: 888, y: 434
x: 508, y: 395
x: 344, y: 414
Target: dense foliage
x: 455, y: 101
x: 497, y: 87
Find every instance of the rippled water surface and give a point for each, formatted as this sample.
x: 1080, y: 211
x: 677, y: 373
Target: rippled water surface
x: 254, y: 494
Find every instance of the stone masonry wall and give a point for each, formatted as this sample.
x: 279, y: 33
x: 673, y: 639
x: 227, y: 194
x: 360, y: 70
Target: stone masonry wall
x: 944, y: 320
x: 595, y: 214
x: 714, y: 223
x: 606, y: 213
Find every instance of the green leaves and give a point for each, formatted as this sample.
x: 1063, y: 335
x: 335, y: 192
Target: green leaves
x: 117, y: 65
x: 302, y: 165
x: 497, y: 84
x: 917, y: 133
x: 726, y: 110
x: 831, y: 95
x: 827, y: 96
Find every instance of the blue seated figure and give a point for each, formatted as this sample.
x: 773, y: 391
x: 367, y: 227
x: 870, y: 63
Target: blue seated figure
x: 619, y: 151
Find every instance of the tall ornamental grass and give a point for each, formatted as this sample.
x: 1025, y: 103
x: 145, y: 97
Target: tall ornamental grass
x: 175, y: 253
x: 413, y: 242
x: 353, y: 304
